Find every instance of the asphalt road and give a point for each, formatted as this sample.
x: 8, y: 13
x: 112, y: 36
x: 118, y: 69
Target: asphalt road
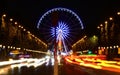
x: 64, y: 69
x: 70, y: 69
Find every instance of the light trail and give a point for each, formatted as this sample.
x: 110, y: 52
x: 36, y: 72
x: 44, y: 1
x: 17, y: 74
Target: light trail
x: 95, y: 63
x: 32, y: 62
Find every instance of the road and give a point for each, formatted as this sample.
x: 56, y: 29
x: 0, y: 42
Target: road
x: 70, y: 69
x: 46, y: 68
x: 90, y: 66
x: 27, y: 67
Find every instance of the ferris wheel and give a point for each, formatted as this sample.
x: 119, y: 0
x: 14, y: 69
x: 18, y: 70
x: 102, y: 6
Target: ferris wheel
x: 68, y: 26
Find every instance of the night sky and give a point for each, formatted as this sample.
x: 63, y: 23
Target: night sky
x: 91, y: 12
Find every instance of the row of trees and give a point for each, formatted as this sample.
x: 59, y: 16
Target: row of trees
x: 13, y: 34
x: 108, y: 35
x: 110, y: 31
x: 86, y: 43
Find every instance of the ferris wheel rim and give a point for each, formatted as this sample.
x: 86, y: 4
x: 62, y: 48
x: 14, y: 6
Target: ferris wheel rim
x: 60, y: 9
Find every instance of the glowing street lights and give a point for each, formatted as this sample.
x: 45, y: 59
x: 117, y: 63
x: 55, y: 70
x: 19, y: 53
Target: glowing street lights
x: 4, y: 15
x: 110, y: 34
x: 118, y: 13
x: 8, y: 22
x: 11, y: 19
x: 110, y: 18
x: 98, y: 27
x: 16, y: 23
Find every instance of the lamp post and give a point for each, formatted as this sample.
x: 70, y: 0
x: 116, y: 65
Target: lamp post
x: 118, y: 13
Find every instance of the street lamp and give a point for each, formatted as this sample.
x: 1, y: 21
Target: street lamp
x: 28, y: 32
x: 0, y: 46
x: 4, y: 15
x: 110, y: 18
x: 98, y: 27
x: 16, y: 23
x: 101, y: 25
x: 21, y: 27
x: 3, y: 47
x: 117, y: 46
x: 118, y: 13
x: 11, y: 19
x: 24, y: 29
x: 106, y: 22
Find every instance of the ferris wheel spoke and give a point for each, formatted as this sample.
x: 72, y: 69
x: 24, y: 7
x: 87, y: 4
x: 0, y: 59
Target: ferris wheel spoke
x: 69, y: 19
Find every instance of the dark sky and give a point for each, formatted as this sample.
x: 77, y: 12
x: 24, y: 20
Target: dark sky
x: 91, y: 12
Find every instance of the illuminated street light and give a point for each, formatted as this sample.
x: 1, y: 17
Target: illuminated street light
x: 110, y: 18
x: 13, y: 47
x: 3, y: 47
x: 8, y: 46
x: 98, y: 27
x: 11, y: 19
x: 107, y: 47
x: 16, y: 23
x: 33, y: 36
x: 110, y: 47
x: 94, y: 36
x: 85, y: 36
x: 24, y: 29
x: 4, y: 15
x: 28, y: 32
x: 118, y: 13
x: 19, y: 26
x: 106, y: 22
x: 101, y: 25
x: 114, y: 46
x: 0, y: 45
x: 98, y: 47
x: 117, y: 46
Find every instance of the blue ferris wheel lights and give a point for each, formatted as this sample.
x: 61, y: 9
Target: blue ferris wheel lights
x: 60, y: 9
x: 62, y: 30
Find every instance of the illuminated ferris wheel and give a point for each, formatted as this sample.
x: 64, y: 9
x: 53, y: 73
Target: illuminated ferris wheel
x: 68, y: 27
